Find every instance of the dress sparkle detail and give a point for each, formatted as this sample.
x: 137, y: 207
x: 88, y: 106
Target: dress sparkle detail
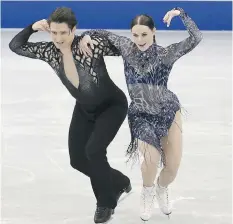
x: 153, y: 106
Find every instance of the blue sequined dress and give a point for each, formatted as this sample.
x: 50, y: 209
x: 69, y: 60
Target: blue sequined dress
x: 153, y: 106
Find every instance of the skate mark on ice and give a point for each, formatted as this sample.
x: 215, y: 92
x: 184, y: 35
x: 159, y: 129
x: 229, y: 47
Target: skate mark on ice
x: 54, y: 162
x: 16, y: 176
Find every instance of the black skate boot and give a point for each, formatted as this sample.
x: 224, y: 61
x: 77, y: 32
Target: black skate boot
x: 103, y: 214
x: 126, y: 189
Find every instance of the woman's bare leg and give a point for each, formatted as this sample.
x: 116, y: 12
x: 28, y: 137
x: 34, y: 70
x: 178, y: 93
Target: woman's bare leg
x: 172, y: 146
x: 151, y: 158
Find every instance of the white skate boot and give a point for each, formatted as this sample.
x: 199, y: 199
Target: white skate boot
x: 163, y: 199
x: 148, y: 196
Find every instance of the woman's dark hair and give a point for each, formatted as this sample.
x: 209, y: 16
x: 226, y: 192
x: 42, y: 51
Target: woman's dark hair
x: 144, y: 20
x: 63, y: 15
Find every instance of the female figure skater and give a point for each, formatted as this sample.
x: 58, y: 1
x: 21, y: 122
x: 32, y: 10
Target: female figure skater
x: 100, y: 109
x: 154, y: 114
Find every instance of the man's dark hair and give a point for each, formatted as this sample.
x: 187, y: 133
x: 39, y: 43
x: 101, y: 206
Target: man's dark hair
x: 63, y: 15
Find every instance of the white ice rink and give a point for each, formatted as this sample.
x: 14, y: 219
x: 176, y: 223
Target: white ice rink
x: 40, y: 187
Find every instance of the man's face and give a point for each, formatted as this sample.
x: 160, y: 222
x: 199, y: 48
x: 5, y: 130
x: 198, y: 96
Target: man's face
x: 61, y: 34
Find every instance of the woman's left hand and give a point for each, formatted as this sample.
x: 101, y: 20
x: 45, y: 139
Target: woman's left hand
x: 169, y: 16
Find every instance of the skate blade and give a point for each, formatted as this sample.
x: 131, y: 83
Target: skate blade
x: 107, y: 221
x: 168, y: 215
x: 122, y: 198
x: 144, y: 221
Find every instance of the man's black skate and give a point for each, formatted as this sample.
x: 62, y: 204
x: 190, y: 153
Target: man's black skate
x: 127, y: 189
x: 103, y: 214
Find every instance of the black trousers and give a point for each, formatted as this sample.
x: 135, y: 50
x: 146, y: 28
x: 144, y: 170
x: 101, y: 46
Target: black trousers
x: 89, y: 136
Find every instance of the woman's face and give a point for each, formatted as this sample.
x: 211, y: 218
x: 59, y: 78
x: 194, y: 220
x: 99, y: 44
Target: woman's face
x: 142, y: 36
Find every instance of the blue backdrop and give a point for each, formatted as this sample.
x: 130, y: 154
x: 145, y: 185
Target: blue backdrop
x: 209, y: 15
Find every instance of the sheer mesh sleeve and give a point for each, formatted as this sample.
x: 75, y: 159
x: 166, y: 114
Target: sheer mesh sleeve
x: 177, y: 50
x: 101, y: 48
x: 121, y: 43
x: 20, y: 45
